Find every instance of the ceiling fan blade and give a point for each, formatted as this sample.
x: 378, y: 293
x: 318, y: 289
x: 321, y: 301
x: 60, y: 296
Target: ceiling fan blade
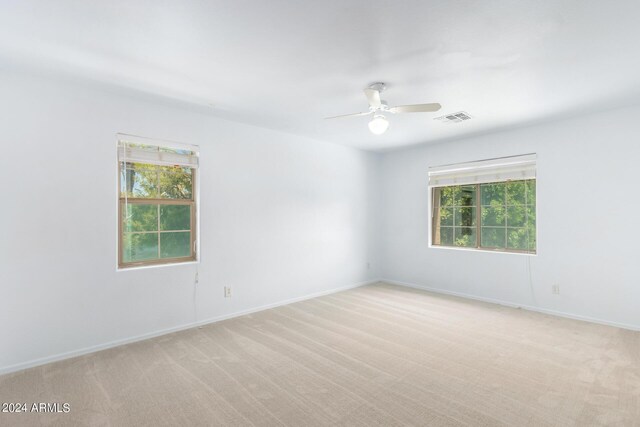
x: 348, y: 115
x: 416, y: 108
x: 373, y: 96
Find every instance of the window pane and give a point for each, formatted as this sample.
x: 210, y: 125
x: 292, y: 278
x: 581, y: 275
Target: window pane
x: 174, y: 245
x: 176, y: 182
x: 446, y: 216
x: 139, y: 217
x: 465, y: 216
x: 518, y: 238
x: 466, y: 196
x: 139, y: 246
x: 464, y: 236
x: 493, y: 216
x: 531, y: 191
x: 516, y: 216
x: 175, y: 217
x: 139, y: 180
x: 516, y: 193
x: 493, y: 237
x: 531, y: 215
x: 532, y: 237
x: 492, y: 194
x: 446, y: 236
x: 447, y: 194
x: 520, y: 216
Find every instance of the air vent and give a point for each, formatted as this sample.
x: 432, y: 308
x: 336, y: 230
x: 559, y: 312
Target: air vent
x: 458, y: 117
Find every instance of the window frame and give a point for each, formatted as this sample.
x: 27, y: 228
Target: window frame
x: 192, y: 202
x: 433, y: 205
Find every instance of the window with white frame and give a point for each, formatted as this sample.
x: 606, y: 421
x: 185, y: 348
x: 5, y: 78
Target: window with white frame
x: 488, y: 204
x: 157, y: 202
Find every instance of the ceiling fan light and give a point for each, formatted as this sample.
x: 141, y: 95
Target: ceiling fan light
x: 378, y: 125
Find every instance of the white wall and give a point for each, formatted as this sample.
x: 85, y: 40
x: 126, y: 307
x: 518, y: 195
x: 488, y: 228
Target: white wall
x: 588, y: 207
x: 282, y: 217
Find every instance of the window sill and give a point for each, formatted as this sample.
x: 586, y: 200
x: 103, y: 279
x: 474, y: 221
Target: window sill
x: 146, y: 267
x: 451, y: 248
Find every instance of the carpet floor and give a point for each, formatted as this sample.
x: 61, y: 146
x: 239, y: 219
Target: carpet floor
x: 379, y: 355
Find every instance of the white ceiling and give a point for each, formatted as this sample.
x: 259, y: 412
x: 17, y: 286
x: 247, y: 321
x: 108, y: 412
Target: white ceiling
x: 286, y: 64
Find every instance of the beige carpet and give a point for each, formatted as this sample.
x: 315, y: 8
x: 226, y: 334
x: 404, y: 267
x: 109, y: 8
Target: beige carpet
x: 376, y: 355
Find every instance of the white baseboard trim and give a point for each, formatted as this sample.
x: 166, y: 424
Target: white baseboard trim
x: 92, y: 349
x: 515, y: 305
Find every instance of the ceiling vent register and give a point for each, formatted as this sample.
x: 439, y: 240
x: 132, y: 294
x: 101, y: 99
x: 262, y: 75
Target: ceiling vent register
x: 458, y: 117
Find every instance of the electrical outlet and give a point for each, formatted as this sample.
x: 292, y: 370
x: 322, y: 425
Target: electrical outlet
x: 227, y: 292
x: 555, y: 289
x: 196, y: 280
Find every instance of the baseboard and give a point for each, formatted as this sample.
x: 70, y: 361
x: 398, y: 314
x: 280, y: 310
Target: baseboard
x: 116, y: 343
x: 515, y: 305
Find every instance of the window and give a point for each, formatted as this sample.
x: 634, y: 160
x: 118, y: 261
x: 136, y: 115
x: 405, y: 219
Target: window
x: 497, y: 213
x: 157, y: 203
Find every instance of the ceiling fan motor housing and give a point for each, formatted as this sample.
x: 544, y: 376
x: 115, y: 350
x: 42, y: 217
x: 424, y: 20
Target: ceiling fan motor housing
x: 383, y: 107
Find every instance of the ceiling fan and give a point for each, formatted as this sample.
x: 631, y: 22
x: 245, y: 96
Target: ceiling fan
x: 379, y: 124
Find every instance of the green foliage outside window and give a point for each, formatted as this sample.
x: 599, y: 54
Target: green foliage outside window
x: 499, y: 216
x: 156, y: 212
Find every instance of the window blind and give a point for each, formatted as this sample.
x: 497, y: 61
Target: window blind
x: 483, y: 171
x: 132, y: 149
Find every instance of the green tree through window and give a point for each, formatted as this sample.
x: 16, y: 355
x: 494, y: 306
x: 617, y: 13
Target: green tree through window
x: 497, y: 216
x: 157, y: 214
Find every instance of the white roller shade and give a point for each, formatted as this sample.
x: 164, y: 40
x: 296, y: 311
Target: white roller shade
x: 133, y: 149
x: 482, y: 171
